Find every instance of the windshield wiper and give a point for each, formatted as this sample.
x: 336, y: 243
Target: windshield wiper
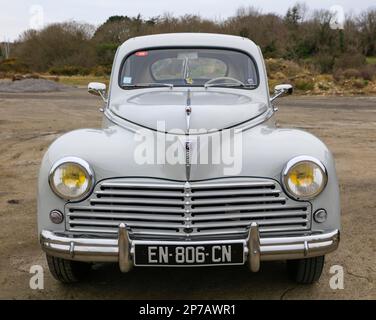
x: 234, y: 85
x: 146, y: 85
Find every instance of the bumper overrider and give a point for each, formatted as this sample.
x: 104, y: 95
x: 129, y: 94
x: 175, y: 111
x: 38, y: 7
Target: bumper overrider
x: 122, y: 249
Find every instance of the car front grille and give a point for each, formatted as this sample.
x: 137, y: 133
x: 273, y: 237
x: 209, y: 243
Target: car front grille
x: 162, y: 209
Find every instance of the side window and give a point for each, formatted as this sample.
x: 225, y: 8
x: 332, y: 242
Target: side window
x: 252, y: 74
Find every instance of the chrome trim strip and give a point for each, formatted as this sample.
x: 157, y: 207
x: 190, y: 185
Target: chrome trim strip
x: 188, y: 143
x: 134, y: 127
x: 184, y: 243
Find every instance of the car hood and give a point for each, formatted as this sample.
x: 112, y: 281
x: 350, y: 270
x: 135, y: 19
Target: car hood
x: 166, y: 109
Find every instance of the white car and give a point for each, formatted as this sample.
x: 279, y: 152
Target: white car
x: 188, y: 168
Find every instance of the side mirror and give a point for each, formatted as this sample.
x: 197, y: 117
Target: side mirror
x: 97, y: 89
x: 280, y: 90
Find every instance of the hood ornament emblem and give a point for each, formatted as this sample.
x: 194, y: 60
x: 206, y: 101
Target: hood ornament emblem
x: 188, y: 143
x: 188, y: 111
x: 188, y: 147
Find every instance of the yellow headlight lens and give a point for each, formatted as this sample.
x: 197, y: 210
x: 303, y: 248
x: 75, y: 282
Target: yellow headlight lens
x: 305, y: 180
x: 73, y: 176
x: 70, y: 180
x: 302, y: 175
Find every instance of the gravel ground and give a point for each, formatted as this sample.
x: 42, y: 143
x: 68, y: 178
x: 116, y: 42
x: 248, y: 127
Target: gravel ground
x: 30, y: 122
x: 32, y: 85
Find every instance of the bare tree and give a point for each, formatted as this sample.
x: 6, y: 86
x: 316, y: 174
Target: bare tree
x: 301, y: 35
x: 367, y: 28
x: 5, y: 49
x: 57, y: 45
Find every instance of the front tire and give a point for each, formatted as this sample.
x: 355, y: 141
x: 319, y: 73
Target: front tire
x: 67, y: 271
x: 306, y: 271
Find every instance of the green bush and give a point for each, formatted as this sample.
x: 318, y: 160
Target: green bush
x: 304, y: 85
x: 350, y: 61
x: 324, y: 63
x: 371, y: 60
x: 105, y: 53
x: 101, y: 71
x: 272, y: 65
x: 69, y: 71
x: 287, y: 67
x: 13, y: 66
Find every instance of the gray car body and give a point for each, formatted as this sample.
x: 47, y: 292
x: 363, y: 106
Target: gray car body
x: 266, y: 149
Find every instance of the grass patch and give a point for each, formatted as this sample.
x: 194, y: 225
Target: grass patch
x: 82, y: 81
x: 371, y: 60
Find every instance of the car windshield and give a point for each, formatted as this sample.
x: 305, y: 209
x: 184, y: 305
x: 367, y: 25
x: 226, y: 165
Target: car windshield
x: 185, y: 67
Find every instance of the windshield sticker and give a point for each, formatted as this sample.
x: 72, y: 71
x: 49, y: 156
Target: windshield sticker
x: 141, y: 54
x: 189, y: 80
x: 127, y: 80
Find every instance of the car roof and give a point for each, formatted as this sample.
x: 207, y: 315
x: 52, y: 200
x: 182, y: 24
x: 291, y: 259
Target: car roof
x: 189, y: 39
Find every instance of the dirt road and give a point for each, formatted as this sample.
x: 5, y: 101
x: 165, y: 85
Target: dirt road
x: 30, y: 122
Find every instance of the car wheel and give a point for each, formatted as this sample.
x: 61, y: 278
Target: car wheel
x: 306, y: 271
x: 67, y: 271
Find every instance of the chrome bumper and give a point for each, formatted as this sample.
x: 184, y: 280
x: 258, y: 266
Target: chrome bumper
x: 121, y: 250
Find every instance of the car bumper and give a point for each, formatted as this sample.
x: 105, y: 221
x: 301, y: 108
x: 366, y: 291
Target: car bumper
x: 122, y: 250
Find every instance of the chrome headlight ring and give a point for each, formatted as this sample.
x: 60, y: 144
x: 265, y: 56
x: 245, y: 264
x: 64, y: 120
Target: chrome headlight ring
x: 301, y: 160
x: 83, y: 165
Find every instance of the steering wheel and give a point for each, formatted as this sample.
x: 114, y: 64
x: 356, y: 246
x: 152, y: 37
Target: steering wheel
x: 212, y: 81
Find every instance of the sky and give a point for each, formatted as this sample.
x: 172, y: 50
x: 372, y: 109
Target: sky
x: 19, y: 15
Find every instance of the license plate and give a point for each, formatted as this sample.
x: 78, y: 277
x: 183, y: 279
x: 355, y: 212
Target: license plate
x: 189, y: 255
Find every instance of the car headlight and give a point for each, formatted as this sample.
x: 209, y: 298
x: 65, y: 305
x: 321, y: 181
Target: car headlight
x: 71, y: 178
x: 304, y: 178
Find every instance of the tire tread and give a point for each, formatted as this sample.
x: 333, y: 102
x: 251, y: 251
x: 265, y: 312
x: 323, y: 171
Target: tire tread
x: 67, y: 271
x: 306, y: 271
